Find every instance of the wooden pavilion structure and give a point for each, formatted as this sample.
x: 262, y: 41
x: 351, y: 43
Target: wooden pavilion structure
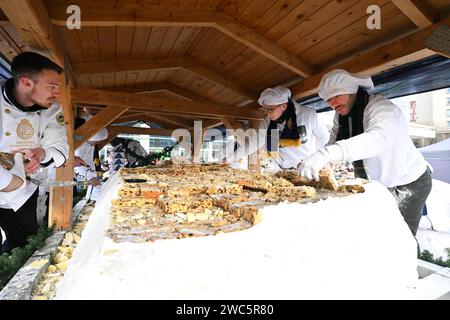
x: 172, y: 62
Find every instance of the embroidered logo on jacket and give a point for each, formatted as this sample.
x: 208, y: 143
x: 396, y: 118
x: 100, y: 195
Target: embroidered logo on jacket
x: 60, y: 118
x: 25, y: 130
x: 290, y: 123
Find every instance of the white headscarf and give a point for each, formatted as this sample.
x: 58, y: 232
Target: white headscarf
x: 339, y: 82
x: 274, y: 96
x: 100, y: 136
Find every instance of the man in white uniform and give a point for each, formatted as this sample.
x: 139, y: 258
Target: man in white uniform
x: 85, y: 167
x: 84, y: 156
x: 292, y: 132
x: 373, y: 131
x: 32, y: 123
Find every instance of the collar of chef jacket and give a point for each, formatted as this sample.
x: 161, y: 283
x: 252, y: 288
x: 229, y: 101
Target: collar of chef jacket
x: 8, y: 95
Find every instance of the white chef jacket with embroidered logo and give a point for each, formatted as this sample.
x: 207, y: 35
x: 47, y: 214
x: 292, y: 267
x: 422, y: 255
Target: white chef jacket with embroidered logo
x: 43, y: 128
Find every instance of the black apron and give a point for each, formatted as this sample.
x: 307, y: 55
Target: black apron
x: 355, y: 118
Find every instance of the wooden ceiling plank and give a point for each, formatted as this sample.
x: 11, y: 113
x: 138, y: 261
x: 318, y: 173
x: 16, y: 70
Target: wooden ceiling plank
x: 130, y: 15
x: 417, y: 11
x: 31, y: 20
x: 394, y: 28
x: 107, y: 37
x: 407, y: 49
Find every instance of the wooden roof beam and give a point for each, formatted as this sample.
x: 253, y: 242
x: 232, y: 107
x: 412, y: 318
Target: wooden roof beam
x: 90, y: 68
x: 161, y: 86
x: 96, y: 123
x: 159, y: 104
x: 143, y: 131
x: 130, y: 14
x: 208, y: 124
x: 171, y: 121
x: 135, y: 117
x: 407, y: 49
x: 417, y: 11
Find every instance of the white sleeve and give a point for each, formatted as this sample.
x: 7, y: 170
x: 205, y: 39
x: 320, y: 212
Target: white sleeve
x: 382, y: 122
x: 5, y: 178
x: 334, y: 129
x: 54, y: 139
x: 320, y: 131
x: 256, y: 140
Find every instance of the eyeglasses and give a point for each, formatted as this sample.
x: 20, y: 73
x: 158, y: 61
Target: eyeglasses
x: 271, y: 109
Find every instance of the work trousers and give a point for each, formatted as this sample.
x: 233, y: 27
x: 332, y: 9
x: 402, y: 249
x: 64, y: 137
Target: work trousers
x: 20, y: 224
x: 411, y: 199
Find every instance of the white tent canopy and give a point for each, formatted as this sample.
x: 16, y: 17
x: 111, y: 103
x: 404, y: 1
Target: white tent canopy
x: 438, y: 155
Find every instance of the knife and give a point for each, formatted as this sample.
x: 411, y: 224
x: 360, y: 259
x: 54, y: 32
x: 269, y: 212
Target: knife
x: 60, y: 183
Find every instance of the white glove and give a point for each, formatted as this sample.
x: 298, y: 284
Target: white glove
x: 15, y: 198
x: 18, y: 169
x: 311, y: 166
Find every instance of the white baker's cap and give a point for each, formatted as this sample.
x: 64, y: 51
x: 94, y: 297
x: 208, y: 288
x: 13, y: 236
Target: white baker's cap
x: 339, y: 81
x: 274, y: 96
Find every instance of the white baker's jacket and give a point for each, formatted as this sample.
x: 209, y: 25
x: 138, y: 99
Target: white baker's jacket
x: 86, y: 152
x: 385, y: 147
x: 24, y: 130
x: 316, y: 132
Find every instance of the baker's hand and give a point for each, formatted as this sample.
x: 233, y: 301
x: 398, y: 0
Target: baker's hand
x: 78, y: 162
x: 94, y: 182
x: 311, y: 166
x: 34, y: 156
x: 18, y: 173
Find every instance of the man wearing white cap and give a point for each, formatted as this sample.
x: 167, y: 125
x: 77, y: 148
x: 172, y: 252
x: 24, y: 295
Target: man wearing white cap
x: 293, y: 132
x: 373, y: 131
x: 84, y: 157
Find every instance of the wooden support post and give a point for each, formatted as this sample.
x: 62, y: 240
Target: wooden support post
x: 254, y: 160
x: 197, y: 135
x: 232, y: 124
x: 61, y: 198
x: 95, y: 124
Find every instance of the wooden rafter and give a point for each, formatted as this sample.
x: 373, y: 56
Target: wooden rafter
x: 130, y: 14
x: 161, y: 86
x: 143, y: 131
x: 96, y: 123
x: 417, y: 11
x: 172, y: 121
x: 208, y: 124
x: 128, y: 118
x: 407, y: 49
x: 139, y: 102
x: 232, y: 124
x: 90, y: 68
